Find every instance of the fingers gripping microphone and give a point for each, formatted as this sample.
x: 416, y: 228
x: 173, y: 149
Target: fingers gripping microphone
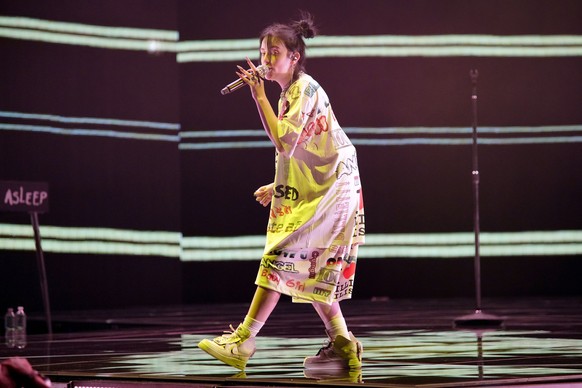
x: 239, y: 83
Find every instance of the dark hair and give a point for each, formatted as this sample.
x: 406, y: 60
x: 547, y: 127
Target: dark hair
x: 292, y: 34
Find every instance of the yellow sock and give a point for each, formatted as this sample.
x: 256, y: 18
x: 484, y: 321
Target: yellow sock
x: 252, y: 325
x: 337, y: 326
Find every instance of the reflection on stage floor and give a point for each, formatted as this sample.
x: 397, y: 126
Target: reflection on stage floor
x: 407, y: 343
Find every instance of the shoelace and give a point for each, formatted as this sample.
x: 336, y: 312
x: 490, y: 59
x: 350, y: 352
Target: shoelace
x: 232, y: 330
x: 231, y: 335
x: 326, y: 345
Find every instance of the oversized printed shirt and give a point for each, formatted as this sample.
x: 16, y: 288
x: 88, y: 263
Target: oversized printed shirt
x: 317, y: 198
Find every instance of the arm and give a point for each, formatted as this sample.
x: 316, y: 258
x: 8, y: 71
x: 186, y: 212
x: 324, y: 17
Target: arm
x: 269, y: 120
x: 266, y: 112
x: 17, y: 372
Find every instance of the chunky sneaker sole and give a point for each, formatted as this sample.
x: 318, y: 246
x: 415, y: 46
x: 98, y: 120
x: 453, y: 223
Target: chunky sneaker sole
x: 331, y: 376
x: 229, y: 354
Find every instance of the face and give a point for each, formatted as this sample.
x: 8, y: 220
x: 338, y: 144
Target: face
x: 275, y: 55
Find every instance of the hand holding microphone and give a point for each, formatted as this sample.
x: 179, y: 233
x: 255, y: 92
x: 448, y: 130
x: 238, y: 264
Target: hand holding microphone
x: 246, y: 76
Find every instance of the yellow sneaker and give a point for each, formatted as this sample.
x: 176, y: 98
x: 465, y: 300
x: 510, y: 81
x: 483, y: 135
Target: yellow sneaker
x: 234, y: 348
x: 342, y: 353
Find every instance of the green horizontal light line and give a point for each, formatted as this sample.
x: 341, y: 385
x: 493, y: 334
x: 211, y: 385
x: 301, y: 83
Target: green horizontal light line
x: 469, y: 251
x: 93, y: 247
x: 91, y: 120
x: 431, y: 239
x: 391, y: 142
x: 219, y: 45
x: 199, y: 248
x: 453, y: 39
x: 81, y: 233
x: 448, y: 51
x: 87, y: 29
x: 88, y: 132
x: 225, y: 145
x: 218, y: 56
x: 532, y: 140
x: 463, y: 130
x: 263, y: 144
x: 415, y: 251
x: 239, y: 254
x: 203, y: 242
x: 551, y: 236
x: 90, y: 41
x: 222, y: 133
x: 395, y: 51
x: 455, y: 141
x: 443, y: 245
x: 326, y: 41
x: 398, y: 130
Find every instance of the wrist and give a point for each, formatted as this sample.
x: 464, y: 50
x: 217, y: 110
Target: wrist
x: 261, y: 98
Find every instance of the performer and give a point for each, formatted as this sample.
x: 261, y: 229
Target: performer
x: 316, y: 217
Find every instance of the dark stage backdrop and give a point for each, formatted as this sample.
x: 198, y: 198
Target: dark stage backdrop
x: 116, y: 105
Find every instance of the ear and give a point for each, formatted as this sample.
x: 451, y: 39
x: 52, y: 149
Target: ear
x: 295, y: 57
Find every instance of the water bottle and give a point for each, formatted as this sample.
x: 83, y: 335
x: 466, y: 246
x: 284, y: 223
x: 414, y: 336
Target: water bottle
x: 10, y: 328
x: 20, y: 325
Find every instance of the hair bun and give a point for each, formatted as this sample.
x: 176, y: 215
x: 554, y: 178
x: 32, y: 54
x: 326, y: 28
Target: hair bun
x: 305, y: 27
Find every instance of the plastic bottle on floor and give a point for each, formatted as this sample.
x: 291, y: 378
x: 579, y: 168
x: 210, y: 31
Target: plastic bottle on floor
x: 20, y: 328
x: 10, y: 328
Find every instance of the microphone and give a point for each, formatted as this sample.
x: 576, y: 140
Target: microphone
x: 239, y: 83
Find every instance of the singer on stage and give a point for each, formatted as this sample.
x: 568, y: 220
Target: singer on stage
x: 316, y: 218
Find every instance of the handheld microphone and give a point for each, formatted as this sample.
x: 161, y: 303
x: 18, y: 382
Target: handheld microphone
x: 239, y: 83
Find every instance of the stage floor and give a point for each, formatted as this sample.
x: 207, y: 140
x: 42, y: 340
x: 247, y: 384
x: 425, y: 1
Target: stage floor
x: 407, y: 343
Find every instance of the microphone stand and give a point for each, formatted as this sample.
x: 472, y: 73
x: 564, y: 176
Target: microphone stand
x: 478, y: 318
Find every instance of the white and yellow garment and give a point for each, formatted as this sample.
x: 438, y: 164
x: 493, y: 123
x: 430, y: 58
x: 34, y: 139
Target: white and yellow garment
x: 316, y: 218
